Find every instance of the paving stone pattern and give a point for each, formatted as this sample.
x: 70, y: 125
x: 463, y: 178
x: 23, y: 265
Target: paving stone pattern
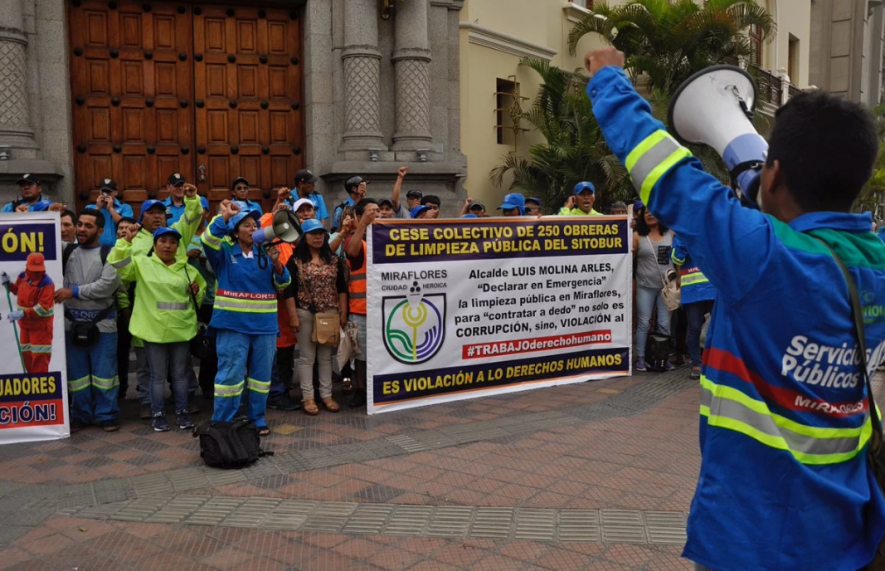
x: 590, y: 476
x: 610, y: 526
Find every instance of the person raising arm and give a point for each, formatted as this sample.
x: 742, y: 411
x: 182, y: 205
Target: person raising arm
x: 784, y: 417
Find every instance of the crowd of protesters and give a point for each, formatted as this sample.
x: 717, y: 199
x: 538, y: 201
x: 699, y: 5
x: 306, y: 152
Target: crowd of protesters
x: 179, y: 283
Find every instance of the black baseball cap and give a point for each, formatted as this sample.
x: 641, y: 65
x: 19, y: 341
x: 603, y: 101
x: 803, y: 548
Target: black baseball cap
x: 476, y: 204
x: 304, y: 175
x: 176, y: 179
x: 108, y: 184
x: 28, y: 179
x: 238, y: 179
x: 414, y: 194
x: 386, y: 201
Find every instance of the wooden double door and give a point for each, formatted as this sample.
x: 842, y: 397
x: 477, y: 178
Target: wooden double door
x: 211, y: 92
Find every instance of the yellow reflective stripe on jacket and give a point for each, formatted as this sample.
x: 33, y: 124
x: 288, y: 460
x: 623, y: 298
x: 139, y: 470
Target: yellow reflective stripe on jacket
x: 173, y: 306
x: 245, y: 305
x: 39, y: 310
x: 258, y: 386
x: 651, y: 159
x: 694, y: 278
x: 212, y: 241
x: 676, y: 260
x: 78, y: 384
x: 729, y: 408
x: 227, y: 391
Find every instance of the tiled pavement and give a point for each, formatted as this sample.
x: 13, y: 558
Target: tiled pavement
x: 590, y: 476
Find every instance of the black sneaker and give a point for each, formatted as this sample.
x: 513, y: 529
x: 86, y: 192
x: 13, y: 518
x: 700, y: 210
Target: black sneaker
x: 77, y: 425
x: 192, y: 405
x: 112, y: 425
x: 159, y: 423
x: 184, y: 420
x: 145, y: 412
x: 358, y: 399
x: 283, y: 403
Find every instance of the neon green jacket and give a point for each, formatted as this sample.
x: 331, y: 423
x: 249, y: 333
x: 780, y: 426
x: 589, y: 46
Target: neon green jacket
x: 577, y: 212
x: 187, y: 226
x: 164, y: 310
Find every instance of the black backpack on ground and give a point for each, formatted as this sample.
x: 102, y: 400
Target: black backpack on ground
x: 657, y: 352
x: 230, y: 444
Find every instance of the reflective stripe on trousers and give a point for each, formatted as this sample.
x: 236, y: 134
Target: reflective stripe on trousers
x: 729, y: 408
x: 78, y: 384
x: 224, y: 391
x: 257, y: 386
x: 651, y: 159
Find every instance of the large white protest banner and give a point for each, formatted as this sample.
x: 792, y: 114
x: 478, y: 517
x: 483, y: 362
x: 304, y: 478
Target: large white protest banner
x: 33, y: 382
x: 465, y: 308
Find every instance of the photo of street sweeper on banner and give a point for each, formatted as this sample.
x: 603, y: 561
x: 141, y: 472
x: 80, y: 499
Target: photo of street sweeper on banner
x: 33, y: 390
x: 460, y: 309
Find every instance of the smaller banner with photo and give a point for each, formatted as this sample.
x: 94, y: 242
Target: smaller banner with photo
x: 33, y: 384
x: 465, y: 308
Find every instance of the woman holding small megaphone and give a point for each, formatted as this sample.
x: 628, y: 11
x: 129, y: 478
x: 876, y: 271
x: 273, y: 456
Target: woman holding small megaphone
x: 245, y: 314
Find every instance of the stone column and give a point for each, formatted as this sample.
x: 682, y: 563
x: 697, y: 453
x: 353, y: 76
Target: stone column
x: 361, y: 59
x: 15, y: 129
x: 411, y: 60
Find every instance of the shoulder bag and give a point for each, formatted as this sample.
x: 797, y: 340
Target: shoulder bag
x: 876, y: 445
x: 671, y: 294
x: 326, y: 324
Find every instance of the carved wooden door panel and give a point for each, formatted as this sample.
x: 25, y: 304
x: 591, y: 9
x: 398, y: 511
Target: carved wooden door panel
x: 247, y: 91
x: 210, y: 92
x: 132, y: 85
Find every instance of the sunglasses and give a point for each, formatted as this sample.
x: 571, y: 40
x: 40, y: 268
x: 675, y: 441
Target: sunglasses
x: 241, y: 187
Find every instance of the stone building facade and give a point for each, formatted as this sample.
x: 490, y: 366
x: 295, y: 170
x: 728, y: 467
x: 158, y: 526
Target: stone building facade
x: 379, y: 82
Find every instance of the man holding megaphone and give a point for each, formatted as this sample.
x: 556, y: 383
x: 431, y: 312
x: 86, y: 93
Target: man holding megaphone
x: 245, y: 313
x: 786, y: 434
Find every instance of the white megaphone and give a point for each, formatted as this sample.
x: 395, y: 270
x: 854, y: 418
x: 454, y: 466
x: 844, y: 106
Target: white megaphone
x: 714, y: 107
x: 285, y: 228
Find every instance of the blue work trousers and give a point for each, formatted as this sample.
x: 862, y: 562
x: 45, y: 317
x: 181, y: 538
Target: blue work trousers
x: 92, y: 379
x: 696, y: 313
x: 243, y: 356
x: 283, y: 372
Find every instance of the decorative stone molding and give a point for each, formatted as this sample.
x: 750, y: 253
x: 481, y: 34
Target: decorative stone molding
x: 486, y: 37
x: 574, y: 13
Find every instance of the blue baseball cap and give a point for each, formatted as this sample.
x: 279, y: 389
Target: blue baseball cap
x: 584, y: 185
x: 534, y: 199
x: 469, y: 215
x: 513, y: 200
x: 147, y: 205
x: 418, y: 210
x: 637, y: 205
x: 164, y: 231
x: 240, y: 216
x: 312, y: 225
